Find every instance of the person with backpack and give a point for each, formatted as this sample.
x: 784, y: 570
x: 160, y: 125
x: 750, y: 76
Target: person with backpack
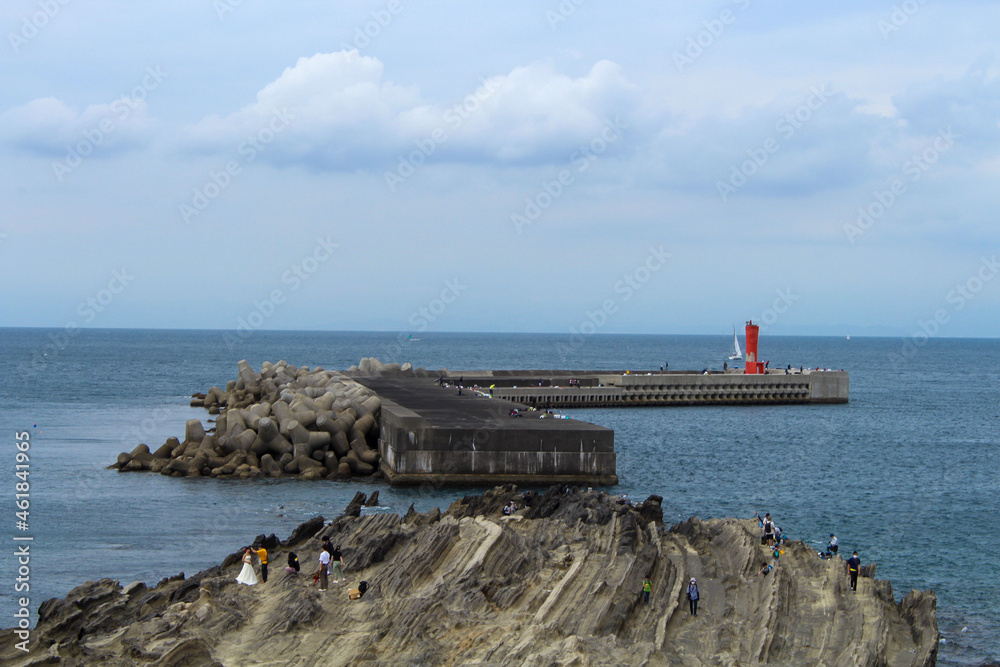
x: 768, y: 537
x: 693, y: 595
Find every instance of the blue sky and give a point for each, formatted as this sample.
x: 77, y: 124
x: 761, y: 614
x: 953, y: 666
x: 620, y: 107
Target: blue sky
x: 667, y: 167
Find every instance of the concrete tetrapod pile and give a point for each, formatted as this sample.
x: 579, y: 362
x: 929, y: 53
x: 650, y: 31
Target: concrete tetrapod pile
x: 284, y: 421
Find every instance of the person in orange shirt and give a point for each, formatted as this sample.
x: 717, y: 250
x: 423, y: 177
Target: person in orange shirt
x: 262, y: 554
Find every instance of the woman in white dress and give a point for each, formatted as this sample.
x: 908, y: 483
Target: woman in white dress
x: 247, y: 575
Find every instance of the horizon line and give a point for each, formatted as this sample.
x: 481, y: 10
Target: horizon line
x: 453, y: 332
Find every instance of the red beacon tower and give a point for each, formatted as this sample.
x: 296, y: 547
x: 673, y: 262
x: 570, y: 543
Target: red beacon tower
x: 753, y: 367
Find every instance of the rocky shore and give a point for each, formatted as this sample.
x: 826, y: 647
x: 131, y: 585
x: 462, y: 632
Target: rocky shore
x: 284, y: 421
x: 557, y: 583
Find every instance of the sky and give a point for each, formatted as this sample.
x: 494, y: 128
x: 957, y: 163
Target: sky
x: 549, y: 166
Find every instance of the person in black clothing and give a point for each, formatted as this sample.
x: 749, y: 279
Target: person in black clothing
x: 293, y: 563
x: 853, y: 565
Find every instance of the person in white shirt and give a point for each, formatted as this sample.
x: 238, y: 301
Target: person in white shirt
x: 324, y: 568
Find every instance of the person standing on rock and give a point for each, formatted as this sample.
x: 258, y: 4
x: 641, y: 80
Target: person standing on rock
x: 693, y: 595
x: 247, y: 575
x: 833, y: 546
x: 338, y: 565
x: 853, y: 565
x: 324, y: 565
x: 647, y: 588
x: 262, y: 555
x: 768, y: 537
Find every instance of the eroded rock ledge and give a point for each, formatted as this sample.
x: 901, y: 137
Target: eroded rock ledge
x: 557, y: 583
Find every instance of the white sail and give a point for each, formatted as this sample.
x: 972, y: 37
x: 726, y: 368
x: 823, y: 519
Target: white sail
x: 737, y: 354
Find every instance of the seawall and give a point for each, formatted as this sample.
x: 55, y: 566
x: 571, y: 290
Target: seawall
x: 431, y: 433
x: 578, y: 389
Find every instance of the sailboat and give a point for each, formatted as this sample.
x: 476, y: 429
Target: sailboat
x: 737, y: 353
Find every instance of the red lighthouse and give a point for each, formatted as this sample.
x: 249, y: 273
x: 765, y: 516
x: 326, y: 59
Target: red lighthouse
x: 753, y: 367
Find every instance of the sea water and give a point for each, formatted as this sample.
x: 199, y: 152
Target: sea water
x: 906, y: 472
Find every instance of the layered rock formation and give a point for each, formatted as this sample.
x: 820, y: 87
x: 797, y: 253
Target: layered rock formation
x: 557, y: 583
x: 283, y: 421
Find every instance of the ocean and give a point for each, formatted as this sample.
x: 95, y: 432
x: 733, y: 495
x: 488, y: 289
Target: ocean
x: 907, y: 473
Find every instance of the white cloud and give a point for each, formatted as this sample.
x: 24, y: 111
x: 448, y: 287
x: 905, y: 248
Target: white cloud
x: 48, y: 126
x: 345, y: 115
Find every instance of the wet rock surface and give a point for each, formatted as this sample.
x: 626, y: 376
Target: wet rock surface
x: 557, y: 582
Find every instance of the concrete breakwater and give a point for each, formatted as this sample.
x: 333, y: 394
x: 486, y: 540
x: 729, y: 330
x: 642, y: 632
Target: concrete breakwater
x: 414, y: 426
x: 557, y: 582
x: 282, y: 421
x: 443, y: 435
x: 379, y: 420
x: 588, y: 389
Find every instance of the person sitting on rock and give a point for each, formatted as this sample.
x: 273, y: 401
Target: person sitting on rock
x: 293, y: 566
x: 764, y: 568
x: 359, y: 592
x: 832, y: 547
